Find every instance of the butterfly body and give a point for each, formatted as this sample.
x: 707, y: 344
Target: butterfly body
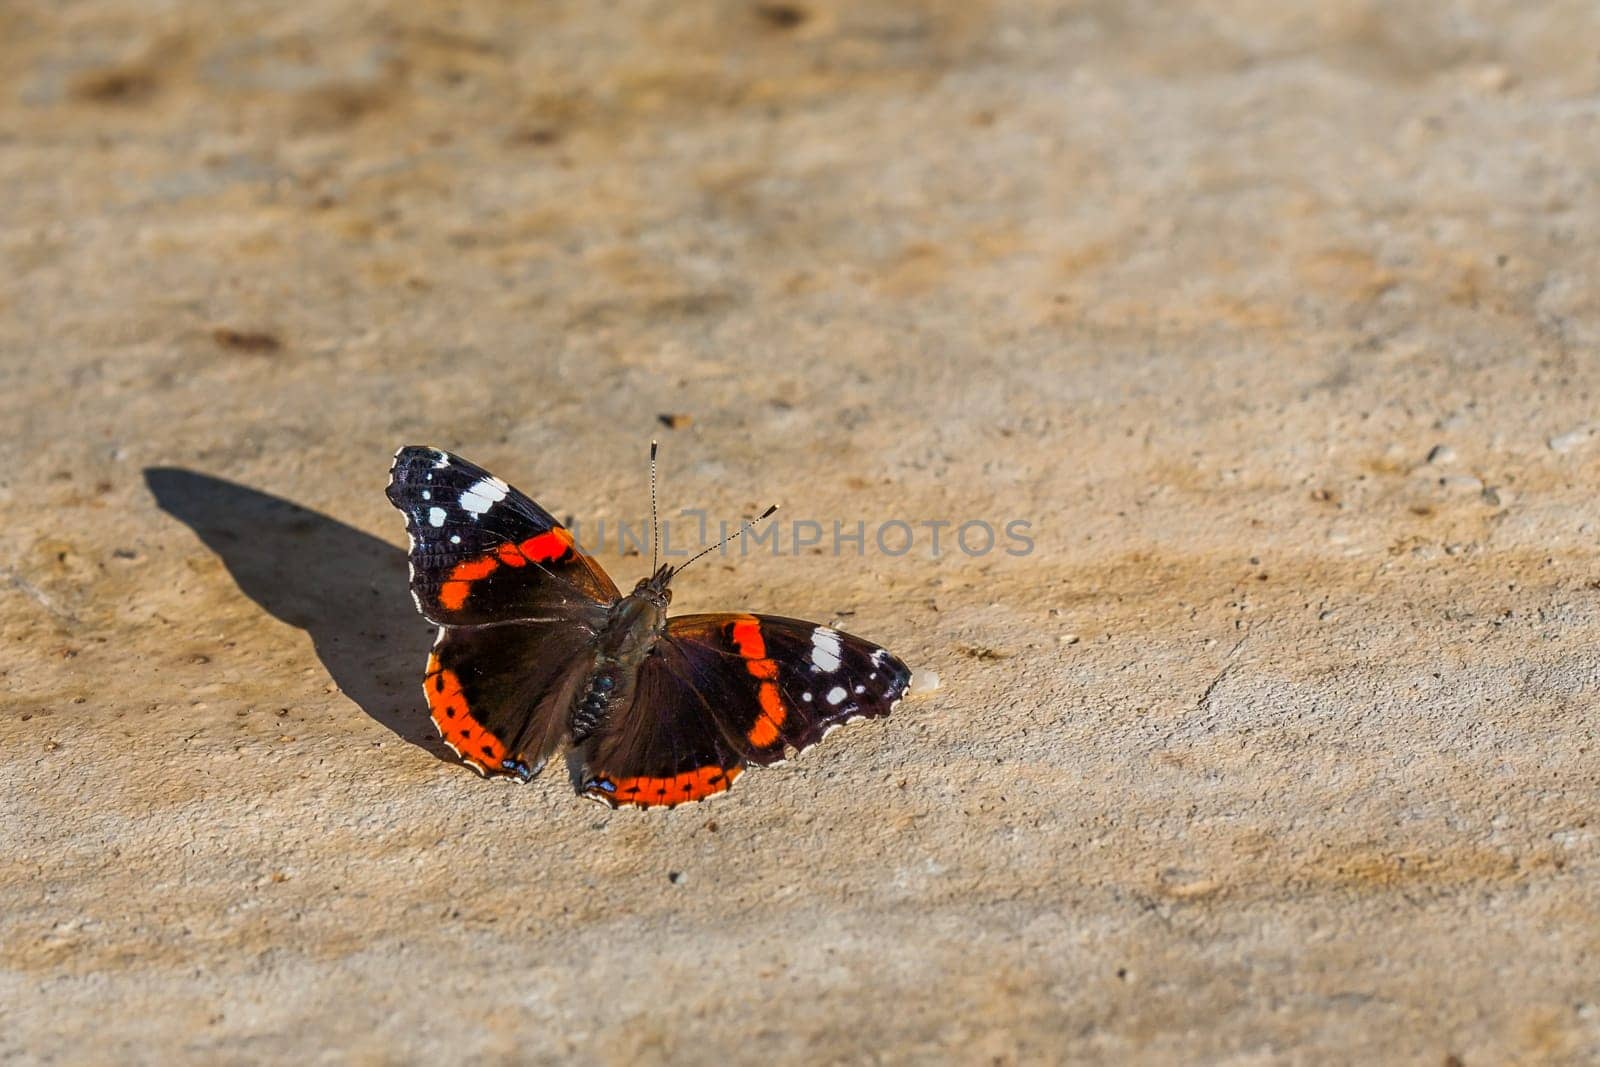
x: 636, y: 623
x: 537, y: 648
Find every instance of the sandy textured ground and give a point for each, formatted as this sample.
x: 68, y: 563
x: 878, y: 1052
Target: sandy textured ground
x: 1280, y: 326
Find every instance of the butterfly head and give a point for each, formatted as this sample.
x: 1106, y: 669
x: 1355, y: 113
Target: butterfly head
x: 655, y: 588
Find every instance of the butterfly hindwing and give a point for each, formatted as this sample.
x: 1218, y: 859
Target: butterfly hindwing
x: 725, y: 690
x: 500, y: 694
x: 482, y: 552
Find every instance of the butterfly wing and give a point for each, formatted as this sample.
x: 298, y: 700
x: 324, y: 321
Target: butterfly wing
x: 482, y: 552
x: 517, y: 603
x: 501, y: 695
x: 721, y: 691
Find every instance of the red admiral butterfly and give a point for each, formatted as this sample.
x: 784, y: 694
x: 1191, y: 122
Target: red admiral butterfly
x: 537, y: 647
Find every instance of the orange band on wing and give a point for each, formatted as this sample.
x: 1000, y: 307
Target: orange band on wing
x: 543, y: 548
x: 453, y: 717
x: 473, y: 569
x: 665, y: 792
x: 453, y: 590
x: 548, y: 546
x: 773, y: 714
x: 747, y: 638
x: 746, y: 634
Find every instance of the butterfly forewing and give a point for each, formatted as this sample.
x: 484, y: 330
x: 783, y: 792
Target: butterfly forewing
x: 482, y: 552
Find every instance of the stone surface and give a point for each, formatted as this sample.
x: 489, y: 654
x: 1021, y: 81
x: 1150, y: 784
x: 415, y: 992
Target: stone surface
x: 1279, y: 745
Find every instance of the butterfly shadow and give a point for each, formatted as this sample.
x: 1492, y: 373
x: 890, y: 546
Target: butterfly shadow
x: 345, y: 588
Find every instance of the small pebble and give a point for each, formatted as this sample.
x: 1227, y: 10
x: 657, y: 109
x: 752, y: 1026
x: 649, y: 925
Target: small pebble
x: 1067, y: 639
x: 1566, y: 442
x: 1458, y: 483
x: 254, y: 341
x: 1494, y: 78
x: 924, y: 681
x: 1441, y: 454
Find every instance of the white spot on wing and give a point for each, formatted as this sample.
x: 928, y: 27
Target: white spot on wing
x: 836, y: 694
x: 484, y: 494
x: 455, y: 539
x: 436, y: 516
x: 825, y: 650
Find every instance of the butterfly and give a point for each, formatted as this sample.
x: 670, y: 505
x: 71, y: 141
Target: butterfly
x: 538, y: 650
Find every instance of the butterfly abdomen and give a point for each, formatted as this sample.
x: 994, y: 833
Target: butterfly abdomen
x: 594, y: 703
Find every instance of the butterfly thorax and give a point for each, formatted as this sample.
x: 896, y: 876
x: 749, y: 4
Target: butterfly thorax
x: 631, y: 630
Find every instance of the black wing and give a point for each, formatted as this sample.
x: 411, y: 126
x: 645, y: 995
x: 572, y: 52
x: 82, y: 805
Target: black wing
x: 501, y: 695
x: 482, y: 552
x: 517, y: 603
x: 723, y: 691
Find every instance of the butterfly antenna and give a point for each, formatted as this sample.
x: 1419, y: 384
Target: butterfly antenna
x: 655, y: 527
x: 748, y: 525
